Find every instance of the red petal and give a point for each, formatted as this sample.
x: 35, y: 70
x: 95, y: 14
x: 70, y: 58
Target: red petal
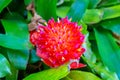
x: 75, y: 65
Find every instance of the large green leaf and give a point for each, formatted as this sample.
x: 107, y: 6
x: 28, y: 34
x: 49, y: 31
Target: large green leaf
x: 84, y: 27
x: 27, y: 2
x: 101, y: 70
x: 113, y: 25
x: 77, y: 9
x: 17, y: 36
x: 81, y: 75
x: 18, y: 57
x: 33, y: 57
x: 108, y: 3
x: 4, y: 66
x: 66, y: 78
x: 96, y: 15
x: 4, y: 3
x: 46, y: 8
x: 92, y: 58
x: 111, y: 12
x: 50, y: 74
x: 62, y: 11
x: 88, y: 53
x: 109, y: 50
x: 13, y: 75
x: 94, y: 3
x: 92, y: 16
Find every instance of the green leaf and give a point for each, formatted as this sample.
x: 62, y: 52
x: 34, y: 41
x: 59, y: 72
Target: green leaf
x: 81, y: 75
x: 66, y: 78
x: 108, y: 2
x: 92, y: 58
x: 109, y: 50
x: 100, y: 69
x: 50, y: 74
x: 13, y: 75
x: 92, y: 16
x: 88, y: 53
x: 113, y: 25
x: 77, y: 9
x: 46, y: 8
x: 62, y: 11
x: 18, y: 57
x: 4, y: 66
x: 111, y: 12
x: 3, y: 4
x: 94, y: 3
x: 33, y: 57
x: 27, y: 2
x: 84, y: 27
x: 17, y: 36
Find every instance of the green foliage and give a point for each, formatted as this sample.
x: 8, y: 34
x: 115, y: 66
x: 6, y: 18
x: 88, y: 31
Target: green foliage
x: 13, y: 75
x: 110, y: 51
x: 112, y: 25
x: 3, y: 4
x: 99, y: 19
x: 93, y: 3
x: 77, y: 10
x: 18, y: 57
x: 27, y: 2
x: 81, y: 75
x: 16, y: 34
x: 51, y: 74
x: 4, y: 66
x: 111, y: 12
x: 47, y: 9
x: 92, y: 16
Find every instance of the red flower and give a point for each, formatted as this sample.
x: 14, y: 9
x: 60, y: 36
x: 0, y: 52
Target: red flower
x: 59, y: 42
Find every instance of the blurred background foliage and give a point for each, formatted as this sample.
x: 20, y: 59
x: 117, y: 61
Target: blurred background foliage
x: 100, y: 20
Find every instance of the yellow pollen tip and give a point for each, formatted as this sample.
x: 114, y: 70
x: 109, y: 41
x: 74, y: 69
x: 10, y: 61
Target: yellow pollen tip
x: 45, y: 23
x: 58, y: 19
x: 70, y: 19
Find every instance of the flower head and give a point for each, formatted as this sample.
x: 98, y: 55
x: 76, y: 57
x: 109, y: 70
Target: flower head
x: 59, y: 42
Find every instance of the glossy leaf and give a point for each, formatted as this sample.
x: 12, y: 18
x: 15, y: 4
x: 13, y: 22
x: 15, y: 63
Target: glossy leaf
x: 109, y: 50
x: 88, y: 53
x: 84, y: 27
x: 66, y: 78
x: 93, y: 3
x: 4, y: 66
x: 113, y: 25
x: 81, y: 75
x: 17, y: 36
x: 77, y: 9
x: 4, y: 3
x: 18, y: 58
x: 62, y: 11
x: 50, y: 74
x: 92, y: 16
x: 96, y: 15
x: 33, y: 57
x: 111, y: 12
x: 46, y: 9
x: 100, y: 69
x: 109, y: 2
x: 92, y: 59
x: 13, y: 75
x: 27, y: 2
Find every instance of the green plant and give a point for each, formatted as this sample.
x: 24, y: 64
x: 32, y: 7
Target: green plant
x: 100, y: 20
